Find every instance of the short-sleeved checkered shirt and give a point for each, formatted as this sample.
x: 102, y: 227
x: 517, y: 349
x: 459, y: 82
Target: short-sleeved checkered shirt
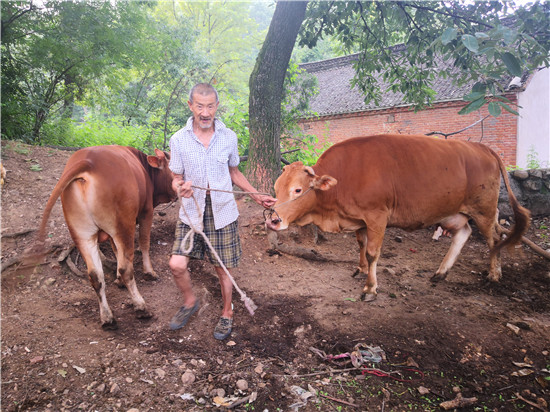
x: 206, y: 168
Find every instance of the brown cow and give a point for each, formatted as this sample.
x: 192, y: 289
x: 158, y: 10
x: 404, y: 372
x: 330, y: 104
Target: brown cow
x: 105, y: 191
x: 366, y: 184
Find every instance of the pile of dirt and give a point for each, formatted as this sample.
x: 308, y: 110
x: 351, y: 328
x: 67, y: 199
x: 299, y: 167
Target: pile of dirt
x: 309, y: 343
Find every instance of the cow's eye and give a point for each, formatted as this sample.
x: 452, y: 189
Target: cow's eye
x: 298, y: 190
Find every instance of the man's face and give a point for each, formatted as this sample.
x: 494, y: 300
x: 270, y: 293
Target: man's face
x: 204, y: 110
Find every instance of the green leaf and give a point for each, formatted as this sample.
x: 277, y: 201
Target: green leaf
x: 473, y: 106
x: 470, y: 42
x: 494, y: 109
x: 512, y: 64
x: 507, y: 108
x: 474, y: 96
x: 480, y: 87
x: 448, y: 35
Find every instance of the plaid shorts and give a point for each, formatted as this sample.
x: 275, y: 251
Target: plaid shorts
x: 226, y: 241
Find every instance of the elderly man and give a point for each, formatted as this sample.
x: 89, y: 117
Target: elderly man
x: 204, y: 153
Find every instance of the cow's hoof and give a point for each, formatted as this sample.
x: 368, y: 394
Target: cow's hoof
x: 438, y: 277
x: 357, y: 271
x: 111, y: 325
x: 150, y: 276
x: 143, y: 314
x: 368, y: 297
x: 120, y: 283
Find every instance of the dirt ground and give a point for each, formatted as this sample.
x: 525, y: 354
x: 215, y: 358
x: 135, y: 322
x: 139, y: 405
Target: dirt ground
x: 463, y: 338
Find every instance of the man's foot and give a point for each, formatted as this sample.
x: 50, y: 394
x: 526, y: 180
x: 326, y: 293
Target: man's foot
x: 180, y: 319
x: 223, y: 328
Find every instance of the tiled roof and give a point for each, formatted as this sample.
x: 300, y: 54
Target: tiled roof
x: 336, y: 96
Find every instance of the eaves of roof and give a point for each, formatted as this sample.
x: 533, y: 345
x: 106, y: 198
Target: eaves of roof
x: 336, y: 96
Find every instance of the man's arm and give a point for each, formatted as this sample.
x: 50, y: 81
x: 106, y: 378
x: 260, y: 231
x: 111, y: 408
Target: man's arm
x: 242, y: 182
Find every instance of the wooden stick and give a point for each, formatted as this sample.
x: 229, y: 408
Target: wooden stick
x: 338, y: 400
x: 17, y: 234
x: 73, y: 267
x: 534, y: 405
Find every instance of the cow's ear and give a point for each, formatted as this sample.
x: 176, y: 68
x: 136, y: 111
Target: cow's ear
x: 155, y: 162
x: 324, y: 182
x: 159, y: 154
x: 309, y: 170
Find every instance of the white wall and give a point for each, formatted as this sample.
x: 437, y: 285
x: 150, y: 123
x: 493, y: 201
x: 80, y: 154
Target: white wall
x: 534, y: 121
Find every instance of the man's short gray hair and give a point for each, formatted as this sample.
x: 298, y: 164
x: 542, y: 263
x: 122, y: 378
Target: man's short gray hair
x: 204, y: 89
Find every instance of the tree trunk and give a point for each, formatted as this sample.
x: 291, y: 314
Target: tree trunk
x: 266, y: 92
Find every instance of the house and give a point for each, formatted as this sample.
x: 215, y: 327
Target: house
x: 342, y: 113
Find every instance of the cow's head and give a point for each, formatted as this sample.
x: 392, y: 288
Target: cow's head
x: 161, y: 177
x: 296, y: 195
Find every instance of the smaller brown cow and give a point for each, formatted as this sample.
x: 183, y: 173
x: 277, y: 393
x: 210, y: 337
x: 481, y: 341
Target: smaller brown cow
x: 367, y: 184
x: 105, y: 191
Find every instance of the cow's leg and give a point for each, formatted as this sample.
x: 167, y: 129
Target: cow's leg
x: 488, y: 228
x: 118, y: 280
x: 125, y: 269
x: 375, y: 238
x: 145, y: 244
x: 89, y: 249
x: 361, y: 236
x: 460, y: 230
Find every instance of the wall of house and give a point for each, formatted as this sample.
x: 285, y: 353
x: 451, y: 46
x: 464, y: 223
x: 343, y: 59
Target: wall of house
x: 498, y: 133
x: 534, y: 122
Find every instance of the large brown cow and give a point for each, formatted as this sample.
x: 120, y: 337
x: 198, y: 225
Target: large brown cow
x: 105, y: 191
x: 369, y: 183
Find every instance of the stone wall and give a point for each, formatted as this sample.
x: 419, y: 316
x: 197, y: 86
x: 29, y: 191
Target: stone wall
x: 532, y: 188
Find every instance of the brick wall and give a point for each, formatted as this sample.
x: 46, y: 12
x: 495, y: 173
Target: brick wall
x: 498, y: 133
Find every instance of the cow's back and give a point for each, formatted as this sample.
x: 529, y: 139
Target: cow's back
x: 113, y: 188
x: 418, y: 179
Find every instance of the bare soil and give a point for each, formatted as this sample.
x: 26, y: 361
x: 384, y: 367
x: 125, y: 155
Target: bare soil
x: 467, y: 336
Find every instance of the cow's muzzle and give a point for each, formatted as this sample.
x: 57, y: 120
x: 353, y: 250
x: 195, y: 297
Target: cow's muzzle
x: 270, y: 220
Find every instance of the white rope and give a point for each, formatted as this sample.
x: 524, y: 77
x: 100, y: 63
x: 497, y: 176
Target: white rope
x: 189, y: 237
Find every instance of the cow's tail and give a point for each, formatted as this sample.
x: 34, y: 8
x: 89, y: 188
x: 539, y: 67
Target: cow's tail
x: 522, y: 216
x: 69, y: 175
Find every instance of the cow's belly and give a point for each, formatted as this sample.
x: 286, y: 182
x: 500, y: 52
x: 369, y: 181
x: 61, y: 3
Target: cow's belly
x: 409, y: 221
x: 332, y: 224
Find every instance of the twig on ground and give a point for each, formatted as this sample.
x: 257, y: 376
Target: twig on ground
x: 338, y: 400
x: 17, y: 234
x: 533, y: 404
x: 73, y: 267
x: 319, y: 373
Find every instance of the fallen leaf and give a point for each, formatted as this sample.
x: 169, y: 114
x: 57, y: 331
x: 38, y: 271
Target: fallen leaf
x: 522, y: 365
x: 62, y: 372
x: 523, y: 372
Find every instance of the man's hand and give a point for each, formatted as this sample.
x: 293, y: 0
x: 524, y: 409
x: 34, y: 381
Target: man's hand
x: 264, y: 200
x: 182, y: 188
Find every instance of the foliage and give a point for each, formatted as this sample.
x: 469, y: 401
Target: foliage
x: 235, y: 117
x: 51, y: 51
x: 483, y: 46
x: 97, y: 131
x: 229, y: 34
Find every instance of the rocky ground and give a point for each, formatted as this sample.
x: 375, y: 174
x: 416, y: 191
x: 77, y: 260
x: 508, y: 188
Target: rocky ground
x: 464, y: 340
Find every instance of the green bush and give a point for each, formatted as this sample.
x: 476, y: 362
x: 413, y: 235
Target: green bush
x: 98, y: 132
